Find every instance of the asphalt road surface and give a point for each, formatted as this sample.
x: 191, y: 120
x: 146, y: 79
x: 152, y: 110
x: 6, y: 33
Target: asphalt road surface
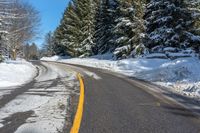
x: 119, y: 104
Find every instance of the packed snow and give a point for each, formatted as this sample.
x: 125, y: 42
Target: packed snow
x: 13, y: 73
x: 54, y: 58
x: 46, y: 101
x: 180, y: 75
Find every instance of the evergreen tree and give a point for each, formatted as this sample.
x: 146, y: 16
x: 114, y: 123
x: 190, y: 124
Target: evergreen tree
x: 59, y: 49
x: 106, y: 14
x: 122, y: 27
x: 71, y: 26
x: 87, y: 15
x: 168, y: 24
x: 66, y: 37
x: 76, y: 30
x: 128, y: 28
x: 194, y: 8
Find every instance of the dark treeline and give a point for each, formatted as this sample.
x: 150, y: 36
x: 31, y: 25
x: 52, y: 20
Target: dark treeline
x: 127, y: 28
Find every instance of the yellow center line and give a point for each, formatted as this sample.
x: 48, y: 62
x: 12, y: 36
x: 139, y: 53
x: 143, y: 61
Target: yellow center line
x: 79, y: 113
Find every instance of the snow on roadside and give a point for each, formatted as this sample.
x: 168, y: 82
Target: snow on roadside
x: 54, y: 58
x: 47, y: 99
x: 13, y: 73
x: 181, y: 75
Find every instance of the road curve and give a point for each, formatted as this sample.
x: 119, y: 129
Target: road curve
x: 117, y: 105
x: 112, y: 104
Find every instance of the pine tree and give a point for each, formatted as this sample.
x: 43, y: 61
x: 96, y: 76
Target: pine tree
x: 87, y: 16
x: 76, y: 30
x: 66, y: 34
x: 59, y: 49
x: 194, y: 8
x: 168, y: 24
x: 105, y: 23
x: 71, y: 30
x: 122, y: 27
x: 128, y: 28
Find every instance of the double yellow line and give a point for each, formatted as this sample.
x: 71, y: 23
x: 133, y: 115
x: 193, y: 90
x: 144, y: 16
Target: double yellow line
x: 79, y: 113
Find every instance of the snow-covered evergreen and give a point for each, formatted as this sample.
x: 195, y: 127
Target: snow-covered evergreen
x: 194, y: 8
x: 128, y: 28
x: 106, y: 15
x: 126, y: 34
x: 76, y: 30
x: 88, y: 20
x: 169, y: 24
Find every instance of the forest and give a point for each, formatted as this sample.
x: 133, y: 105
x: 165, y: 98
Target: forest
x: 122, y: 28
x: 127, y: 28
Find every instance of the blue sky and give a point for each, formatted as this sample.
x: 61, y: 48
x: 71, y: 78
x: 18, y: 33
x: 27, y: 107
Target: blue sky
x: 51, y: 12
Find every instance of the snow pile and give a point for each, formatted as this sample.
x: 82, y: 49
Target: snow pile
x: 53, y: 58
x: 181, y: 75
x: 17, y: 72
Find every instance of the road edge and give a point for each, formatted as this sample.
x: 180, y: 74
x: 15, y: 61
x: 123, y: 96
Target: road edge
x: 79, y: 113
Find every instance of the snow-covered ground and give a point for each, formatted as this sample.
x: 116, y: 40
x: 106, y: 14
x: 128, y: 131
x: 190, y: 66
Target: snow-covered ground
x: 17, y: 72
x: 55, y: 58
x: 181, y: 75
x: 44, y: 105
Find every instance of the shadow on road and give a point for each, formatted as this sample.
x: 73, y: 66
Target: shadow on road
x: 14, y: 121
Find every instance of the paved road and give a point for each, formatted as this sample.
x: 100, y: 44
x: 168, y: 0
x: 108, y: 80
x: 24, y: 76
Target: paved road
x: 117, y: 105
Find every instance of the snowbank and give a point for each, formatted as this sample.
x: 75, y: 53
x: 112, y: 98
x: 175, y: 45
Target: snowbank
x: 54, y: 58
x: 13, y: 73
x: 181, y: 75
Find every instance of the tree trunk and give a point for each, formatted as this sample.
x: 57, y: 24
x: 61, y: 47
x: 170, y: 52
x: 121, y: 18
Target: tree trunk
x: 14, y: 54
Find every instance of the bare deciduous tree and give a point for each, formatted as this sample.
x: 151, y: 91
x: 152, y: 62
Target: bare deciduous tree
x: 21, y: 22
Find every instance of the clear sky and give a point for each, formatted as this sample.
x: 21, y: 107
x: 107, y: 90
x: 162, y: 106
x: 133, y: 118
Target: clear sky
x: 51, y: 12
